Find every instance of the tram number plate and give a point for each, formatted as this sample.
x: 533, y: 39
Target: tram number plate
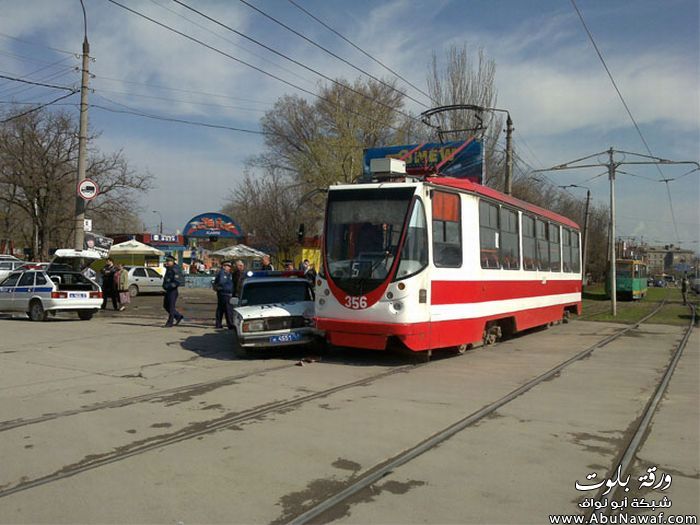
x: 285, y: 338
x: 355, y: 302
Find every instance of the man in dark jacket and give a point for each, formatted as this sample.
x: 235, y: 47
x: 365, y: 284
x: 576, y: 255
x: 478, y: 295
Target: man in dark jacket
x: 224, y: 285
x: 171, y: 282
x: 238, y: 276
x: 109, y: 290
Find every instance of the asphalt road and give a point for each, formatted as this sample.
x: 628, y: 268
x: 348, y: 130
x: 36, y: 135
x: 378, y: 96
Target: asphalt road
x: 118, y: 420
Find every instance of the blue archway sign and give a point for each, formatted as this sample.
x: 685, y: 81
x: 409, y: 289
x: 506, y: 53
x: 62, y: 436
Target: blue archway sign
x: 212, y: 225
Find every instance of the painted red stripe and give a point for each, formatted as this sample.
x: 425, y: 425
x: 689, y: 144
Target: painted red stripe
x: 455, y: 292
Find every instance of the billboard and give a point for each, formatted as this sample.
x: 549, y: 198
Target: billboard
x: 463, y: 160
x: 212, y: 225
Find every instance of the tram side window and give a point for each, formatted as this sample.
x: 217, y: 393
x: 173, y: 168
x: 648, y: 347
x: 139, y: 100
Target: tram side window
x: 447, y: 232
x: 529, y: 244
x: 554, y: 248
x: 542, y: 245
x: 510, y: 250
x: 566, y: 249
x: 489, y: 235
x: 575, y: 253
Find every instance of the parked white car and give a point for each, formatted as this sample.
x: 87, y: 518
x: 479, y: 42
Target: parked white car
x: 273, y: 312
x: 59, y: 288
x: 7, y: 265
x: 144, y: 280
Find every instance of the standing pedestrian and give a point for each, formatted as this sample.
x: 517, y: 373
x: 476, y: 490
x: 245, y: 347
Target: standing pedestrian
x: 108, y: 289
x: 238, y: 276
x: 311, y: 273
x: 171, y: 282
x: 122, y: 281
x: 685, y: 284
x: 266, y: 264
x: 224, y: 285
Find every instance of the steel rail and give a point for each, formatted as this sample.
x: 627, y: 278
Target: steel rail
x: 381, y: 470
x: 635, y: 441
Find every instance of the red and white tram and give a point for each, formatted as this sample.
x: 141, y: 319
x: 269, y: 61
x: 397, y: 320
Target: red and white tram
x: 441, y: 263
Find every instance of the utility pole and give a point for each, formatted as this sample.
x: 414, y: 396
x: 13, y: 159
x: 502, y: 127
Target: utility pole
x: 585, y: 234
x: 509, y: 156
x: 82, y: 139
x: 612, y: 165
x: 613, y: 267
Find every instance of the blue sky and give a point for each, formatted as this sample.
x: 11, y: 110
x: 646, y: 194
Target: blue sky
x: 548, y: 76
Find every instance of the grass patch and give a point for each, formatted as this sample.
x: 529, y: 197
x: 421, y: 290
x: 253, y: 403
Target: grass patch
x: 596, y: 306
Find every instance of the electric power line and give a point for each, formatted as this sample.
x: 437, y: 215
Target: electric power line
x: 256, y: 68
x: 360, y: 49
x: 624, y: 103
x: 131, y: 111
x: 37, y: 108
x: 301, y: 64
x: 37, y: 45
x: 37, y: 83
x: 328, y: 51
x: 232, y: 42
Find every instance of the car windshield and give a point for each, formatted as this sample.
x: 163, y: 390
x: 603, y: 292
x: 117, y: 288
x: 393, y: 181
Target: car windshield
x: 363, y: 231
x: 292, y: 291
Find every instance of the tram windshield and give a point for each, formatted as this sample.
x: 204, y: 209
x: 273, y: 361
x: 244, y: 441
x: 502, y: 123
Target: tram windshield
x: 363, y: 232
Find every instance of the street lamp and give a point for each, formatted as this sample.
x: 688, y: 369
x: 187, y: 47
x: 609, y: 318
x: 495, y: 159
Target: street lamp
x: 160, y: 229
x: 585, y: 226
x: 425, y: 116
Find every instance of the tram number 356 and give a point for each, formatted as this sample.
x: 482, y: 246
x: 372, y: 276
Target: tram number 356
x: 355, y: 303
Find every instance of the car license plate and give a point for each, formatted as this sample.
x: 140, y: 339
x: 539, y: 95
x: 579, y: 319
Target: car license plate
x: 285, y: 338
x: 77, y: 295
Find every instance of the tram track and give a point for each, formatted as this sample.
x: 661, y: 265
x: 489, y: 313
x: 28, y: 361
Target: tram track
x: 364, y: 480
x: 233, y: 419
x: 626, y: 458
x: 194, y: 430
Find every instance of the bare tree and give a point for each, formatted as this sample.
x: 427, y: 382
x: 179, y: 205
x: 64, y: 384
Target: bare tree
x: 38, y: 165
x: 270, y: 208
x: 465, y: 79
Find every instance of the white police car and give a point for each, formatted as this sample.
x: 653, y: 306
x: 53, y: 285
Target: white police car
x: 60, y: 287
x: 275, y: 309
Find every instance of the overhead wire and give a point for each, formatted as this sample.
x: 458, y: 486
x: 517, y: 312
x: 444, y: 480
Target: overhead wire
x: 28, y: 42
x: 203, y: 27
x: 256, y: 68
x: 301, y: 64
x: 37, y: 108
x: 180, y: 90
x: 332, y: 30
x: 131, y: 111
x: 328, y: 51
x: 629, y: 113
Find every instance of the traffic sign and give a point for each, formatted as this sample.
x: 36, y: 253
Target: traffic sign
x: 88, y: 189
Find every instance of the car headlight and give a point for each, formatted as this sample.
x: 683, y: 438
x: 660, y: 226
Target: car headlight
x: 254, y: 326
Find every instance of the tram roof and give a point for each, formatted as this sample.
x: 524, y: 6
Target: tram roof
x: 471, y: 187
x: 480, y: 189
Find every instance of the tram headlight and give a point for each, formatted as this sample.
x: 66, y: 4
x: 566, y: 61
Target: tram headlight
x: 321, y: 301
x: 326, y: 292
x: 398, y: 306
x: 389, y: 295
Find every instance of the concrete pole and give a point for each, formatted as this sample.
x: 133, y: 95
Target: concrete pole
x: 585, y: 234
x: 509, y: 156
x: 82, y: 147
x: 613, y: 269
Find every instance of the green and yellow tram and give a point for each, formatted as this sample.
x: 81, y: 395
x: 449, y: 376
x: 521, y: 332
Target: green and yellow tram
x: 631, y: 279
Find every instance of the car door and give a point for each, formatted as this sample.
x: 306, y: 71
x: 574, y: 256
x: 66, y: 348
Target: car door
x: 155, y: 281
x: 23, y: 292
x: 140, y: 279
x: 7, y: 289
